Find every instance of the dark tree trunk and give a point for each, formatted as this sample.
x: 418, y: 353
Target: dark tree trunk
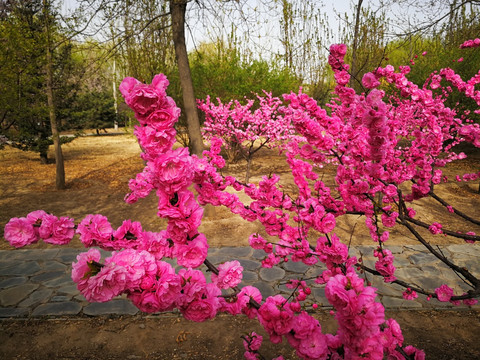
x: 355, y: 42
x: 177, y: 11
x: 60, y: 169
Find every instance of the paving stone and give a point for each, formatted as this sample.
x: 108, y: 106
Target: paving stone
x: 320, y: 298
x: 9, y: 312
x: 55, y: 266
x: 423, y: 259
x: 68, y: 290
x: 272, y: 274
x: 295, y: 266
x: 36, y: 298
x: 401, y: 262
x: 60, y: 298
x: 58, y: 309
x: 393, y: 302
x: 120, y: 307
x: 236, y: 252
x: 46, y: 276
x: 67, y: 256
x: 218, y: 259
x: 250, y: 264
x: 36, y: 254
x: 467, y: 249
x: 8, y: 263
x: 21, y: 268
x: 265, y: 289
x: 14, y: 281
x: 387, y: 289
x: 259, y: 254
x: 6, y: 255
x: 63, y: 280
x: 16, y: 294
x: 395, y: 249
x: 249, y: 276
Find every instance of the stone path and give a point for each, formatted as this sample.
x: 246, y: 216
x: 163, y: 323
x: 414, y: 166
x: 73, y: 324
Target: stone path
x: 36, y: 283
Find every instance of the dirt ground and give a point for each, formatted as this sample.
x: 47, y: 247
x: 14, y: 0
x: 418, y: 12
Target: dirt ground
x: 445, y: 335
x: 97, y: 171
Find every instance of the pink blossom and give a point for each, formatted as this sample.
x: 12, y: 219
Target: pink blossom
x: 173, y: 170
x: 444, y: 293
x: 409, y: 294
x: 56, y: 231
x: 143, y: 98
x: 193, y: 253
x: 229, y: 275
x: 95, y: 230
x: 109, y: 282
x: 204, y: 307
x: 19, y: 232
x: 82, y: 269
x: 435, y: 228
x: 252, y: 341
x: 370, y: 81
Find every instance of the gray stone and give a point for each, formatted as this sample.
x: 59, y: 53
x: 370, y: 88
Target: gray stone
x: 6, y: 255
x: 296, y: 267
x: 36, y: 298
x: 36, y: 254
x: 60, y: 281
x: 236, y: 252
x: 46, y: 276
x: 249, y: 276
x: 218, y: 259
x: 395, y: 249
x: 272, y: 274
x: 423, y: 259
x: 22, y: 268
x: 250, y: 264
x: 265, y: 289
x: 467, y: 249
x: 397, y: 303
x: 67, y: 256
x: 68, y: 290
x: 13, y: 312
x: 401, y: 261
x: 120, y: 307
x: 60, y: 298
x: 320, y: 298
x: 16, y: 294
x: 57, y: 309
x: 14, y: 281
x: 55, y: 266
x: 387, y: 289
x: 259, y: 254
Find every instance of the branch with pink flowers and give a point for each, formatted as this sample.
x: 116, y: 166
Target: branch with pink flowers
x: 388, y: 152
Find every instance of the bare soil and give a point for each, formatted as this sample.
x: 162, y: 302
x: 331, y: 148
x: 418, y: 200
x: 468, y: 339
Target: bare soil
x: 98, y: 169
x: 445, y: 335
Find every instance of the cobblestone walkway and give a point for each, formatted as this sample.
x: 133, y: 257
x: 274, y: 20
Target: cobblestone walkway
x: 38, y: 283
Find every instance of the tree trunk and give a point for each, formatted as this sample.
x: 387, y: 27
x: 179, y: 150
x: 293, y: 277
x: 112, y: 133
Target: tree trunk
x: 177, y: 11
x: 60, y: 169
x: 353, y: 70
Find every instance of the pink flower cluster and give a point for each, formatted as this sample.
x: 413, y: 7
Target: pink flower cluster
x: 470, y: 44
x: 377, y: 173
x: 38, y: 225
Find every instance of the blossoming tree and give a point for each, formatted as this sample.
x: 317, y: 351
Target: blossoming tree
x: 245, y: 131
x: 393, y: 146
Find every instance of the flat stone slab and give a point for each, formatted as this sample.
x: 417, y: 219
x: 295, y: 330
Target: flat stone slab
x: 21, y: 268
x: 14, y: 295
x: 272, y: 274
x: 121, y: 307
x: 10, y: 312
x: 36, y: 298
x: 58, y: 309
